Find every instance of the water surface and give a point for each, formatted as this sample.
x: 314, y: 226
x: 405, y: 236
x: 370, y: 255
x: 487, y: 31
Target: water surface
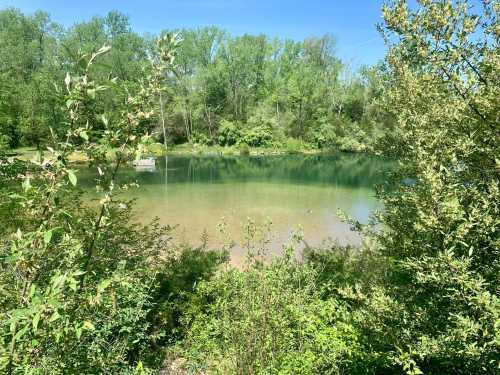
x: 197, y: 193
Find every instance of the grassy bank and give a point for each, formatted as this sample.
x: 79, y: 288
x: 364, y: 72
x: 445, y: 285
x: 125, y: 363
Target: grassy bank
x: 31, y: 153
x: 287, y: 148
x: 194, y: 149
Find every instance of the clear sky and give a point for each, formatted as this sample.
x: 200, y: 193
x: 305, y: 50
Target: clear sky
x: 352, y: 22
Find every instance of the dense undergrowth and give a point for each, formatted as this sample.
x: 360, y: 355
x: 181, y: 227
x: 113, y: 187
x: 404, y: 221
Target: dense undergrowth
x: 84, y: 289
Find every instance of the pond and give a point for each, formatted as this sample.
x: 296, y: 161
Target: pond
x: 294, y: 191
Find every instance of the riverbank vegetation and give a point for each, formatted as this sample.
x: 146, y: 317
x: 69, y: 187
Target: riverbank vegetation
x: 83, y: 289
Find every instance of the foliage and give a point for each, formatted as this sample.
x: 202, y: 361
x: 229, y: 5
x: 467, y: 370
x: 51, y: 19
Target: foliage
x: 200, y: 139
x: 161, y: 66
x: 443, y: 230
x: 244, y: 149
x: 324, y: 136
x: 76, y: 279
x: 266, y: 319
x: 174, y: 288
x: 229, y: 134
x: 198, y: 86
x: 258, y: 136
x: 294, y: 146
x: 422, y: 295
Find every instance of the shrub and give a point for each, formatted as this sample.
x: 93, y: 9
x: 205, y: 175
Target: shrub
x: 156, y: 149
x: 442, y: 232
x: 293, y: 146
x: 259, y: 136
x: 174, y: 287
x: 228, y: 134
x: 266, y: 318
x: 244, y: 149
x: 200, y: 139
x: 323, y: 136
x: 349, y: 144
x: 76, y: 277
x: 4, y: 142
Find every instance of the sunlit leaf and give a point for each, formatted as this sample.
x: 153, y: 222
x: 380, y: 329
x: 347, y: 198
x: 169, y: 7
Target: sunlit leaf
x: 36, y: 320
x: 47, y: 236
x: 72, y: 177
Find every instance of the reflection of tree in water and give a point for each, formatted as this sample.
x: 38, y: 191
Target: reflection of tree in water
x: 343, y: 169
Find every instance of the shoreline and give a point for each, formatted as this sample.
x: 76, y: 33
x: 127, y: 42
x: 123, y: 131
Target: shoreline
x: 28, y: 153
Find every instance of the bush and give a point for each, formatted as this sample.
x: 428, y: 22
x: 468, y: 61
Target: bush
x: 259, y: 136
x: 442, y: 232
x: 156, y: 149
x: 4, y: 142
x: 323, y: 136
x: 69, y: 319
x: 244, y: 149
x: 268, y: 319
x: 228, y: 134
x: 348, y: 144
x: 77, y: 276
x: 201, y: 139
x: 174, y: 287
x: 293, y: 146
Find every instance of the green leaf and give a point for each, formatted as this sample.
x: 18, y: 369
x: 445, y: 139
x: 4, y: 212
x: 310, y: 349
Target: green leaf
x: 78, y: 332
x: 104, y: 120
x: 67, y: 80
x: 36, y: 320
x: 88, y: 326
x: 54, y: 317
x: 47, y: 236
x: 72, y: 283
x: 72, y: 177
x: 26, y: 184
x: 103, y: 285
x: 84, y: 135
x: 21, y: 332
x: 16, y: 196
x: 32, y: 290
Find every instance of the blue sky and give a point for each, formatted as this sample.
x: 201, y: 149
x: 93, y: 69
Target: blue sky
x: 352, y: 22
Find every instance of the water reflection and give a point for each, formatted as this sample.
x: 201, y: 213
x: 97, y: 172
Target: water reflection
x: 196, y: 192
x: 344, y: 170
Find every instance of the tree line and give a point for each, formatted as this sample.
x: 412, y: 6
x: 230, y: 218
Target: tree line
x: 224, y: 89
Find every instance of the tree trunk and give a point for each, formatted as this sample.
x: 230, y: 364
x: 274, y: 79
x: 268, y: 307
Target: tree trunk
x: 162, y: 114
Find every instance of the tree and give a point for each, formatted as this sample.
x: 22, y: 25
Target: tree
x: 161, y: 66
x: 29, y: 65
x: 443, y: 225
x: 74, y: 276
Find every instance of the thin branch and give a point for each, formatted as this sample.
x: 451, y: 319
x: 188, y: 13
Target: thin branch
x: 97, y: 227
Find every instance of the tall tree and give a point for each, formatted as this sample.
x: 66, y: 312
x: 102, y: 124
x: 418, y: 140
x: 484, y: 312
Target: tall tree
x: 443, y: 225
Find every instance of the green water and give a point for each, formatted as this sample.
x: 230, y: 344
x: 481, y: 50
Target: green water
x: 197, y: 193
